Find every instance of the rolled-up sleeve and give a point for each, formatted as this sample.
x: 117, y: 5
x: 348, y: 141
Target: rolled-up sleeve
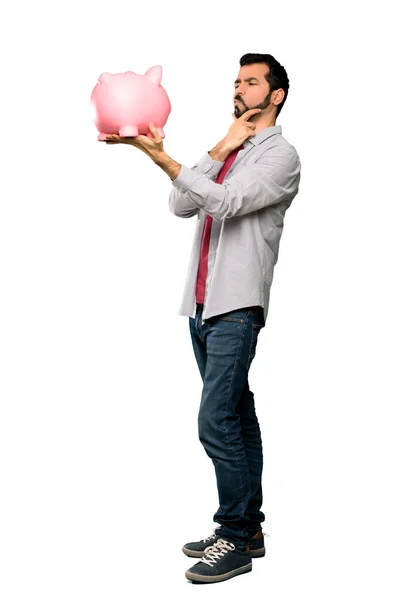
x: 207, y: 168
x: 273, y: 178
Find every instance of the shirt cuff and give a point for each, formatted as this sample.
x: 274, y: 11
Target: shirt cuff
x: 206, y: 166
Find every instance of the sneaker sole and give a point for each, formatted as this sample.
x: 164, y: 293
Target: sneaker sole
x: 198, y: 554
x: 215, y: 578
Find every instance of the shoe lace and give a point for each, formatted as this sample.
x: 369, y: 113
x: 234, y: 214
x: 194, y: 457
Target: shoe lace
x: 210, y: 537
x: 216, y: 551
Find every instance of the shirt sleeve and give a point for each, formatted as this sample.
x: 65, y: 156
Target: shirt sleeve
x: 205, y: 167
x: 272, y: 178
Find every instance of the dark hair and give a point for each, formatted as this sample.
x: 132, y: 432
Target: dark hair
x: 277, y: 76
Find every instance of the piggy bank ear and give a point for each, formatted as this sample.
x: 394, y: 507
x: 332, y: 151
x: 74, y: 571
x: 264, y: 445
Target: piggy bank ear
x: 154, y: 74
x: 104, y: 77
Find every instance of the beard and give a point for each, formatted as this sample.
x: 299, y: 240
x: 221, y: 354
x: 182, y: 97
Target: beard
x: 241, y: 107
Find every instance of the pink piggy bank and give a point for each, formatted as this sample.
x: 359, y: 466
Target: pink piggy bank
x: 125, y: 103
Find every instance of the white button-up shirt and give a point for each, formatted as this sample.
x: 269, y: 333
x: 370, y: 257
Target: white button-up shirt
x: 248, y: 209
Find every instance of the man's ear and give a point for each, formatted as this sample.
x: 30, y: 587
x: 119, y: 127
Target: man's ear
x: 280, y: 94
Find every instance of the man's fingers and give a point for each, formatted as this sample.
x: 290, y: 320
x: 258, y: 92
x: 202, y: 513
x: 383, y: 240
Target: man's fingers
x: 250, y: 113
x: 154, y: 132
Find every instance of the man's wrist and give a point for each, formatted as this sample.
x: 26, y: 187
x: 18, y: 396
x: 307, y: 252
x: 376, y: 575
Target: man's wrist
x: 167, y: 164
x: 220, y: 152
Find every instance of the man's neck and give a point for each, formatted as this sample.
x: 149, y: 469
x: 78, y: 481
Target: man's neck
x: 263, y: 124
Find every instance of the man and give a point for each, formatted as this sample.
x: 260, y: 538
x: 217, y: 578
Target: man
x: 239, y: 191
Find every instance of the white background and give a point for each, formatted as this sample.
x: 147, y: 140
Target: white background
x: 103, y: 477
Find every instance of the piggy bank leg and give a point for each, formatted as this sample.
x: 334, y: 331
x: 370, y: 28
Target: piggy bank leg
x: 101, y: 137
x: 128, y: 131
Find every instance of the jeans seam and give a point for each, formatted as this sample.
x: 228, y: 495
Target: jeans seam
x: 226, y: 404
x: 253, y: 329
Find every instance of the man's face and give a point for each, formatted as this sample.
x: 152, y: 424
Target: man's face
x: 254, y: 93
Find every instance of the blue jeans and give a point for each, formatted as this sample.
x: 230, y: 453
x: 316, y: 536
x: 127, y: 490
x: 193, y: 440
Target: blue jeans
x: 224, y: 347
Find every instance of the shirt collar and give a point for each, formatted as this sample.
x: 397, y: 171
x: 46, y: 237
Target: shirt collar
x: 263, y: 135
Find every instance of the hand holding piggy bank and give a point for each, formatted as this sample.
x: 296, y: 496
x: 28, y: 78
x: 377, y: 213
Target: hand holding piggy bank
x: 125, y: 103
